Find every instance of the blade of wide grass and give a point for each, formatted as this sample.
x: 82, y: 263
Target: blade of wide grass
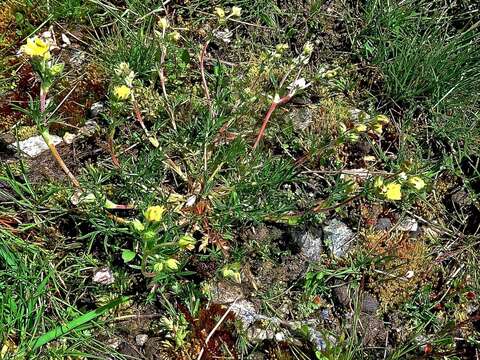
x: 75, y: 323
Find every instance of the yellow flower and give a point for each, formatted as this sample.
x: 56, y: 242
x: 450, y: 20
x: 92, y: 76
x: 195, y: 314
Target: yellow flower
x: 220, y: 12
x: 154, y: 213
x: 330, y: 74
x: 36, y: 47
x: 187, y: 242
x: 393, y: 191
x: 171, y: 264
x: 175, y: 36
x: 122, y: 92
x: 360, y: 128
x: 416, y: 182
x: 163, y: 23
x: 236, y: 11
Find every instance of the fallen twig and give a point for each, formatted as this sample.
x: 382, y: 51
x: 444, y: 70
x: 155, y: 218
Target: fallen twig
x: 222, y: 319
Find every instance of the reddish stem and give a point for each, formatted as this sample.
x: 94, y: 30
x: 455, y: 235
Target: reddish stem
x: 272, y: 108
x: 43, y: 101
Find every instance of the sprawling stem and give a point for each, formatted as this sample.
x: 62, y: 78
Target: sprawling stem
x: 56, y: 155
x: 272, y: 108
x: 46, y: 137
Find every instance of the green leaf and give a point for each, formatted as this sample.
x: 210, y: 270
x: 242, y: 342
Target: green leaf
x: 75, y: 323
x: 128, y: 255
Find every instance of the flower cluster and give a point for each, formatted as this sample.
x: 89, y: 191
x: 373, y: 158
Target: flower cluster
x: 363, y: 123
x: 38, y: 49
x: 392, y: 190
x: 164, y: 24
x: 160, y: 254
x: 223, y: 17
x: 124, y: 91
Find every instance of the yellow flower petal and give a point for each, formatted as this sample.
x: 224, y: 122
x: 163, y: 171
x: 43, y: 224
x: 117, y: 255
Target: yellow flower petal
x: 393, y: 191
x: 36, y: 47
x: 382, y: 119
x: 154, y: 213
x: 220, y: 12
x: 236, y: 11
x: 122, y: 92
x: 360, y: 128
x: 163, y: 23
x: 377, y: 128
x: 171, y: 264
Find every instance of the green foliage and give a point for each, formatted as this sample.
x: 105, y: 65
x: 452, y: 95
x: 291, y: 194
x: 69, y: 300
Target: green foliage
x: 428, y: 59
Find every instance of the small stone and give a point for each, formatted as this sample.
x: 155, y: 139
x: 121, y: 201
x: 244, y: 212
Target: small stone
x: 383, y: 224
x: 338, y: 237
x: 301, y: 118
x: 77, y: 59
x: 69, y: 137
x: 369, y: 303
x: 103, y: 276
x: 114, y: 343
x: 245, y: 312
x: 461, y: 198
x: 408, y: 224
x: 89, y: 129
x: 226, y: 292
x: 66, y: 40
x: 35, y: 145
x: 141, y: 339
x: 310, y: 242
x: 97, y: 108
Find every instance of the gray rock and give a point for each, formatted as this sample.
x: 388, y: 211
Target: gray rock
x: 35, y: 145
x: 461, y: 198
x: 226, y: 292
x: 141, y: 339
x: 369, y: 303
x: 408, y: 224
x: 301, y: 118
x: 97, y: 108
x: 338, y: 237
x: 245, y: 311
x: 310, y: 243
x: 103, y: 276
x: 383, y: 224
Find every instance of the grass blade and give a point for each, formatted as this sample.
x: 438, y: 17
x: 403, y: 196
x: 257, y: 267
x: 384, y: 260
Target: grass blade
x: 81, y: 320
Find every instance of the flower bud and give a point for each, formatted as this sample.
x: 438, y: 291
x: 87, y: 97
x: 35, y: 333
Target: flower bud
x: 187, y: 242
x: 171, y: 264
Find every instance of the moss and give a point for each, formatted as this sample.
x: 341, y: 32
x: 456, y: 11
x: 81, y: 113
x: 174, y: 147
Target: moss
x: 26, y: 132
x: 405, y: 264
